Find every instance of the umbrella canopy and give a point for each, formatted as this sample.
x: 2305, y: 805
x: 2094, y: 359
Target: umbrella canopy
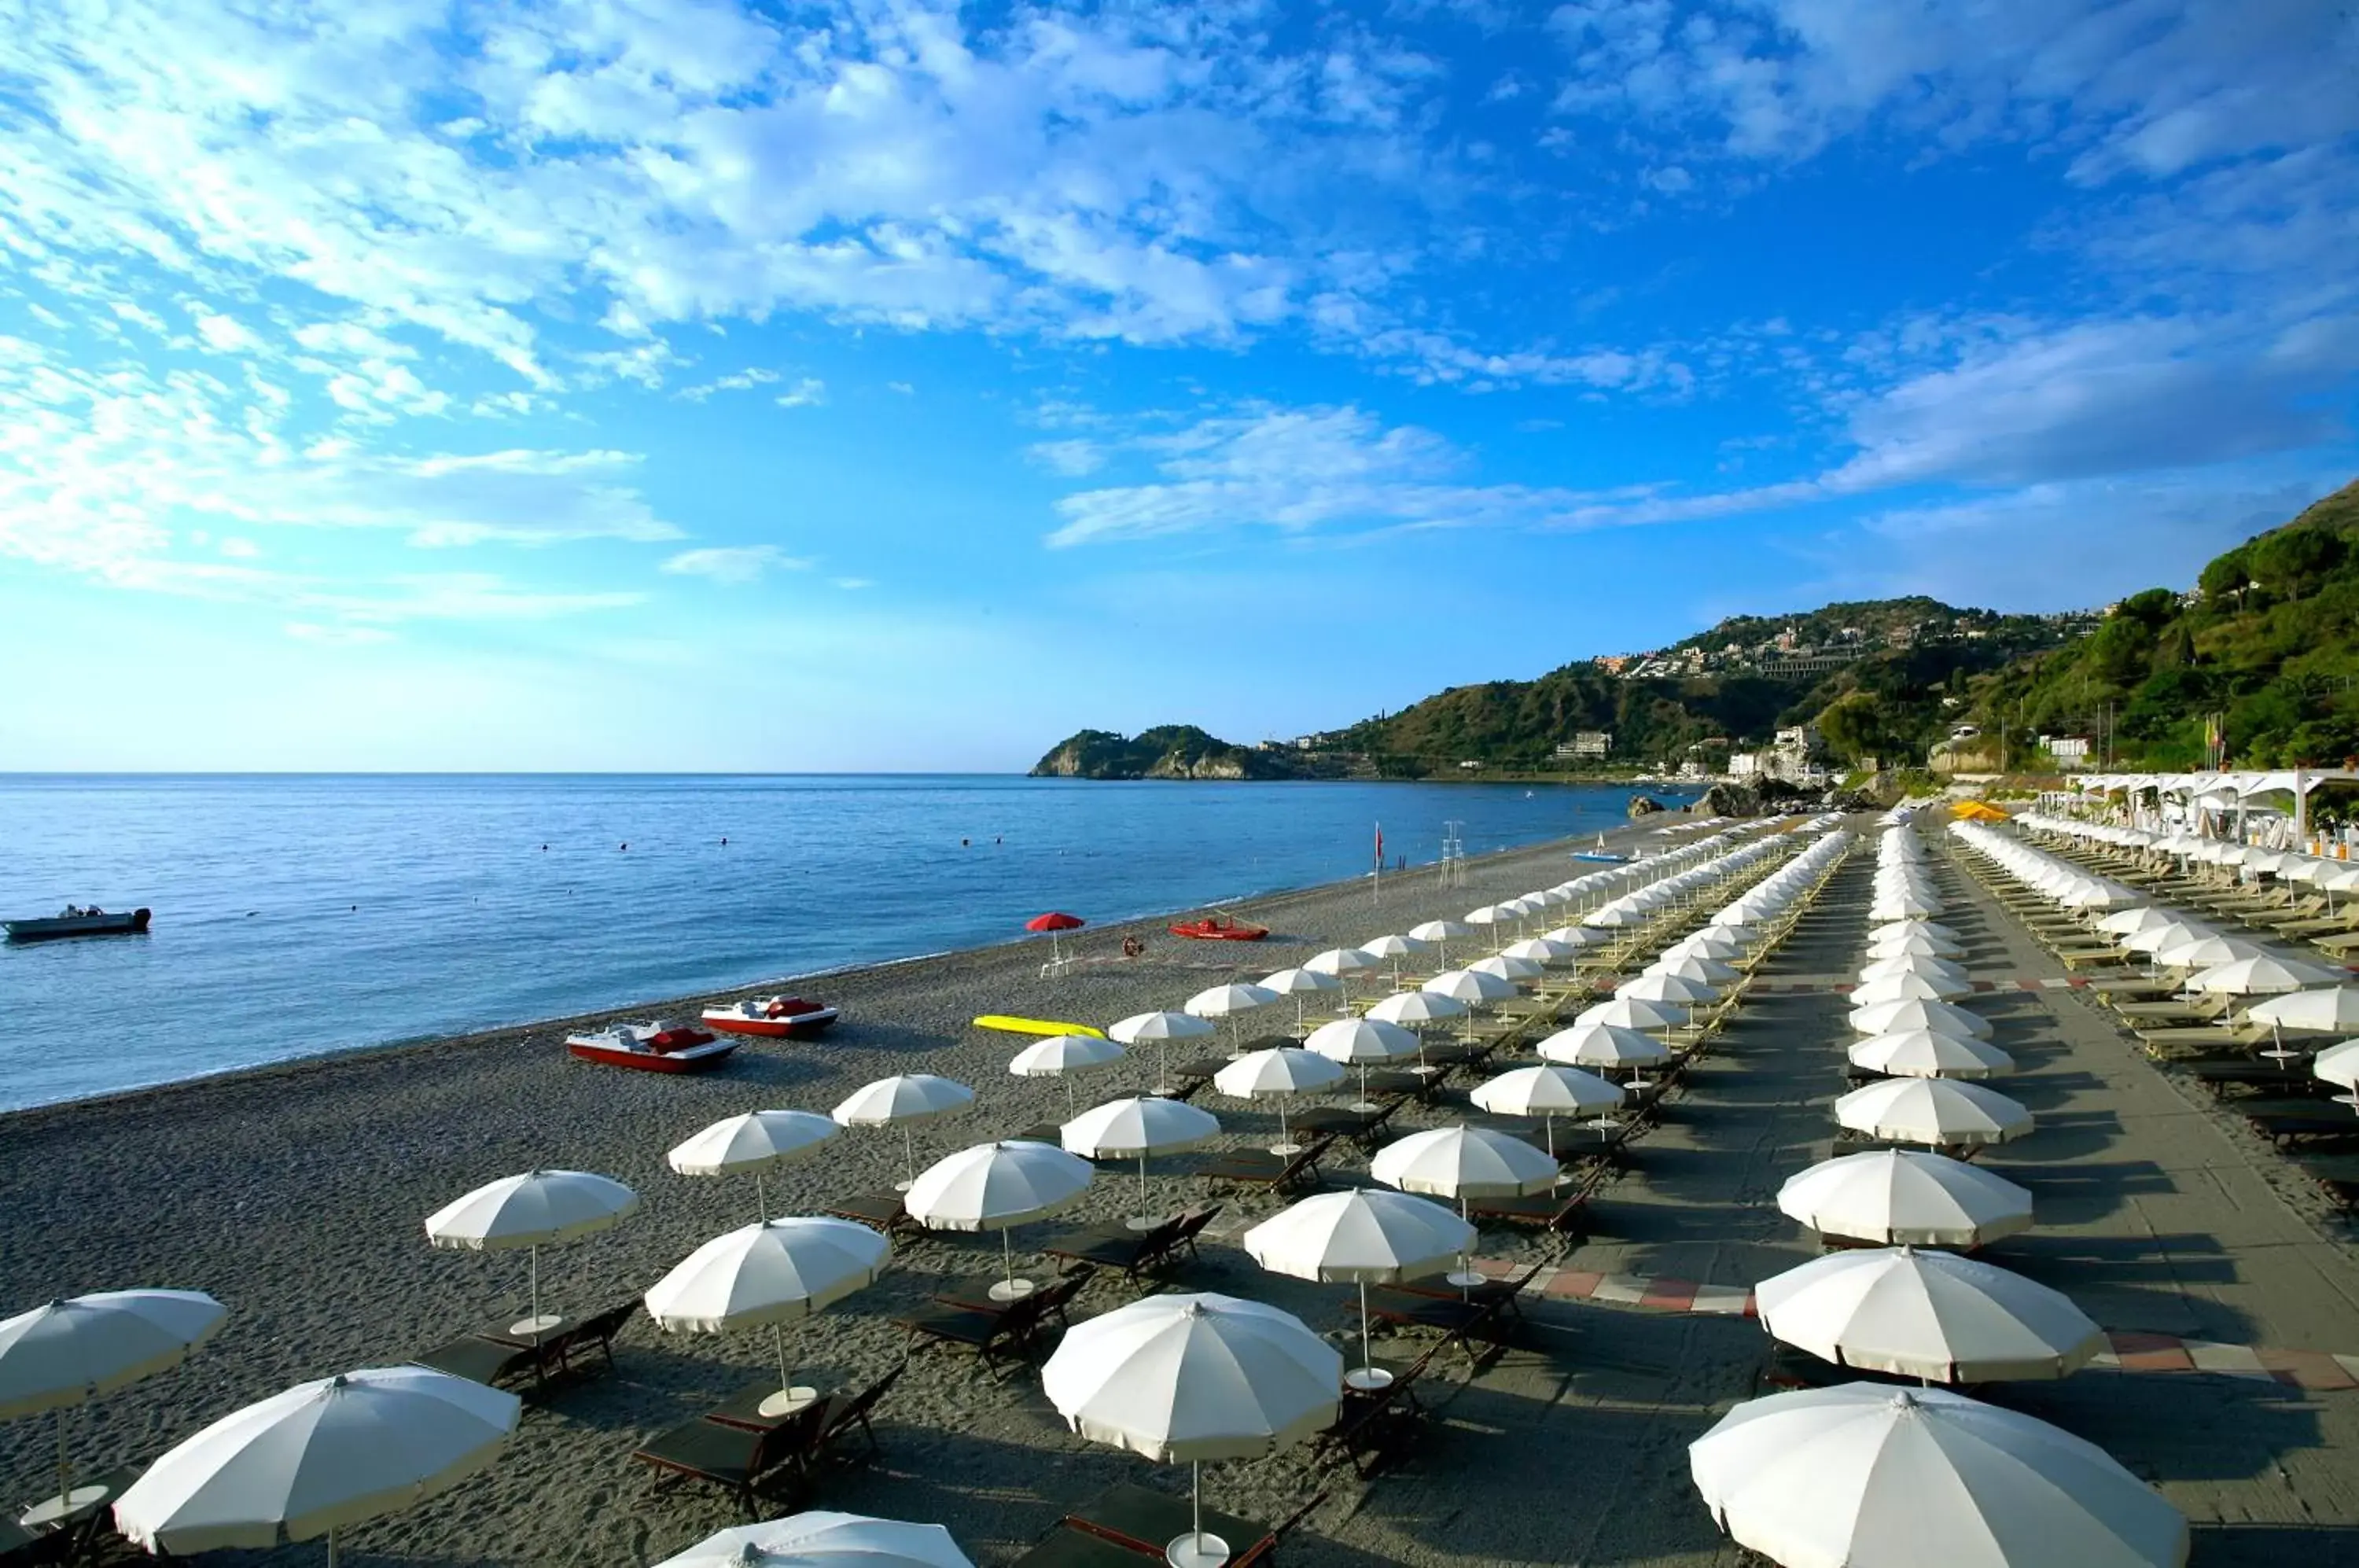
x: 1547, y: 1090
x: 1918, y: 1013
x: 1905, y: 1196
x: 1369, y: 1236
x: 1055, y: 920
x: 1660, y: 986
x: 1695, y: 965
x: 1395, y: 947
x: 753, y: 1139
x: 73, y: 1350
x: 1921, y: 963
x: 1539, y: 949
x: 2206, y: 949
x: 773, y: 1272
x: 1059, y: 1053
x: 995, y: 1185
x: 823, y: 1539
x: 1635, y: 1013
x: 1303, y: 981
x: 1281, y: 1070
x: 2339, y: 1064
x: 1503, y: 966
x: 1417, y: 1007
x: 2153, y: 938
x: 1162, y: 1026
x: 2263, y: 975
x: 1940, y: 1112
x: 535, y: 1209
x: 1603, y: 1045
x: 1134, y: 1128
x: 1864, y: 1475
x: 907, y: 1097
x: 1927, y: 1315
x: 2335, y: 1009
x: 1341, y: 962
x: 1194, y: 1377
x: 1904, y: 988
x: 1463, y: 1162
x: 1467, y: 986
x: 335, y: 1451
x: 1922, y: 1053
x: 1361, y: 1039
x: 1900, y: 941
x: 2143, y: 916
x: 1436, y: 931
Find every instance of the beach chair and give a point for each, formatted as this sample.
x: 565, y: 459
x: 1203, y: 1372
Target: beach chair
x: 591, y: 1334
x: 1564, y: 1211
x: 2284, y: 1122
x: 73, y: 1538
x: 1008, y: 1331
x: 733, y: 1458
x: 1143, y: 1521
x: 1053, y: 1299
x: 1279, y: 1173
x: 843, y: 1415
x: 1117, y: 1246
x: 1462, y: 1319
x: 1362, y: 1127
x: 481, y: 1358
x: 1373, y: 1425
x: 885, y: 1210
x: 2194, y: 1011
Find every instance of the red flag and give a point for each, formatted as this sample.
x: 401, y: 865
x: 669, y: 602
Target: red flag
x: 1380, y: 846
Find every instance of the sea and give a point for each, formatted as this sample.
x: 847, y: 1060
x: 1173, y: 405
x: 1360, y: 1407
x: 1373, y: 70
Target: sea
x: 297, y: 915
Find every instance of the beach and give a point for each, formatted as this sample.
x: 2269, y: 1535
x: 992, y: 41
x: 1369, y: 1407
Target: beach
x: 295, y: 1195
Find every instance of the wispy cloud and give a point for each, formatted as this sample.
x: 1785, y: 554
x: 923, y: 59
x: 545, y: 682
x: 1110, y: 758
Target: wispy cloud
x: 734, y: 564
x: 809, y: 392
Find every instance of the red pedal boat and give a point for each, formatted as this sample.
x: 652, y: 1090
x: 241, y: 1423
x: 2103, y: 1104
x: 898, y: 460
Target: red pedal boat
x: 1221, y: 927
x: 775, y: 1018
x: 652, y: 1048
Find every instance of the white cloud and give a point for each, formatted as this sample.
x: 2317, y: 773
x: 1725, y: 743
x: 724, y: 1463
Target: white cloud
x: 1072, y: 459
x: 853, y: 584
x: 225, y: 334
x: 809, y: 392
x: 734, y: 564
x: 902, y: 387
x: 738, y: 381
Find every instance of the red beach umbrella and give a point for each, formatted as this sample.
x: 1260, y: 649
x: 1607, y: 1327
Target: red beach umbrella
x: 1052, y: 922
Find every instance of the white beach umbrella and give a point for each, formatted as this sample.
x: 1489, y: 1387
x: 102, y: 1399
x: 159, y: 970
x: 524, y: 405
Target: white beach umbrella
x: 1901, y: 940
x: 1512, y: 970
x: 1135, y: 1128
x: 1440, y: 934
x: 1927, y: 1315
x: 1342, y: 963
x: 2263, y: 975
x: 2338, y: 1065
x: 753, y: 1141
x: 1539, y: 949
x: 772, y: 1273
x: 1476, y: 990
x: 1924, y: 1053
x: 2335, y: 1009
x: 1919, y: 964
x: 1868, y: 1476
x: 1658, y: 987
x: 1940, y: 1111
x: 1463, y: 1162
x: 1279, y: 1074
x: 1063, y: 1055
x: 1918, y: 927
x: 1548, y: 1092
x: 1941, y: 1018
x: 2143, y: 916
x: 1635, y: 1013
x: 2153, y: 938
x: 1492, y: 915
x: 819, y: 1538
x: 335, y: 1451
x: 1192, y: 1377
x: 1695, y: 967
x: 68, y: 1352
x: 1366, y: 1236
x: 537, y: 1209
x: 1896, y: 1196
x: 906, y: 1098
x: 1603, y: 1045
x: 1162, y: 1029
x: 1577, y: 937
x: 2204, y: 951
x: 1230, y: 1001
x: 1906, y: 988
x: 1395, y: 948
x: 1299, y: 983
x: 997, y: 1186
x: 1355, y: 1043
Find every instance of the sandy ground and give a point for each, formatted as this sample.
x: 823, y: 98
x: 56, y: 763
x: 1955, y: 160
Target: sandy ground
x: 296, y: 1196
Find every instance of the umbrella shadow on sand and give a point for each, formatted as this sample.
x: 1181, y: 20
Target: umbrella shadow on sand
x: 2179, y: 1426
x: 2082, y: 1192
x: 2270, y: 1545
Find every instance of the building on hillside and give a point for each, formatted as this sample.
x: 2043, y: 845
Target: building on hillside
x: 1746, y: 765
x: 1613, y: 663
x: 1470, y: 766
x: 2069, y: 751
x: 1590, y: 743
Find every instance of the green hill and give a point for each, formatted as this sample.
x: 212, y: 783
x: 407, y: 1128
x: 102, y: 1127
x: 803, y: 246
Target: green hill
x: 1168, y: 751
x: 2263, y: 653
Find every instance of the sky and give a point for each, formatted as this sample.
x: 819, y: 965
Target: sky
x: 681, y: 384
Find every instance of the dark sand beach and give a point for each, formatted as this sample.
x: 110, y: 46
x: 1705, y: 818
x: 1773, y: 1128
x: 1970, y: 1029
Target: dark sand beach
x: 297, y: 1195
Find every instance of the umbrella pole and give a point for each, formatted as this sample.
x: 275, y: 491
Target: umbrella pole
x: 761, y: 1201
x: 536, y: 1294
x: 1162, y: 1066
x: 1550, y: 1122
x: 1007, y: 1256
x: 1142, y: 1183
x: 331, y: 1546
x: 909, y: 1150
x: 778, y: 1344
x: 65, y: 1474
x: 1367, y: 1356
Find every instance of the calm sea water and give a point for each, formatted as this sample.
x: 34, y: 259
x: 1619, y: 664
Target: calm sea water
x: 297, y: 915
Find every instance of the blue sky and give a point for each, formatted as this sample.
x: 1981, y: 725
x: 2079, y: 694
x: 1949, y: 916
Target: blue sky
x: 670, y: 384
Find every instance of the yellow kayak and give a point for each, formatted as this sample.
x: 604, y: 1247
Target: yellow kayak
x: 1034, y: 1026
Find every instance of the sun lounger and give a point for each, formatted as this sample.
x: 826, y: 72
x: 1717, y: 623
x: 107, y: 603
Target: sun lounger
x: 2278, y: 1077
x: 1279, y: 1173
x: 74, y: 1537
x: 481, y: 1358
x: 1564, y: 1211
x: 595, y: 1333
x: 990, y: 1334
x: 1479, y: 1312
x: 1052, y: 1299
x: 1363, y: 1128
x: 2193, y: 1011
x: 1373, y: 1425
x: 735, y: 1458
x: 1144, y: 1522
x: 885, y: 1210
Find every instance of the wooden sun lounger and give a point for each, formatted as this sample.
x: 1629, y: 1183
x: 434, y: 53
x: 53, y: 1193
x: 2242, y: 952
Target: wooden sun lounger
x: 1564, y: 1211
x: 1372, y: 1426
x: 885, y: 1210
x: 1279, y: 1173
x: 733, y: 1458
x: 1052, y: 1299
x: 1009, y: 1331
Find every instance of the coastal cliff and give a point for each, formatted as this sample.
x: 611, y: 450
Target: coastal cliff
x: 1166, y: 751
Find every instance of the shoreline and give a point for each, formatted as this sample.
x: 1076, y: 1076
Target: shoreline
x: 24, y: 1117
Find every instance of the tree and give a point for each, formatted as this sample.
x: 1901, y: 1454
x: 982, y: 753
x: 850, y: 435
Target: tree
x: 1855, y: 726
x: 2227, y: 576
x: 2295, y: 562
